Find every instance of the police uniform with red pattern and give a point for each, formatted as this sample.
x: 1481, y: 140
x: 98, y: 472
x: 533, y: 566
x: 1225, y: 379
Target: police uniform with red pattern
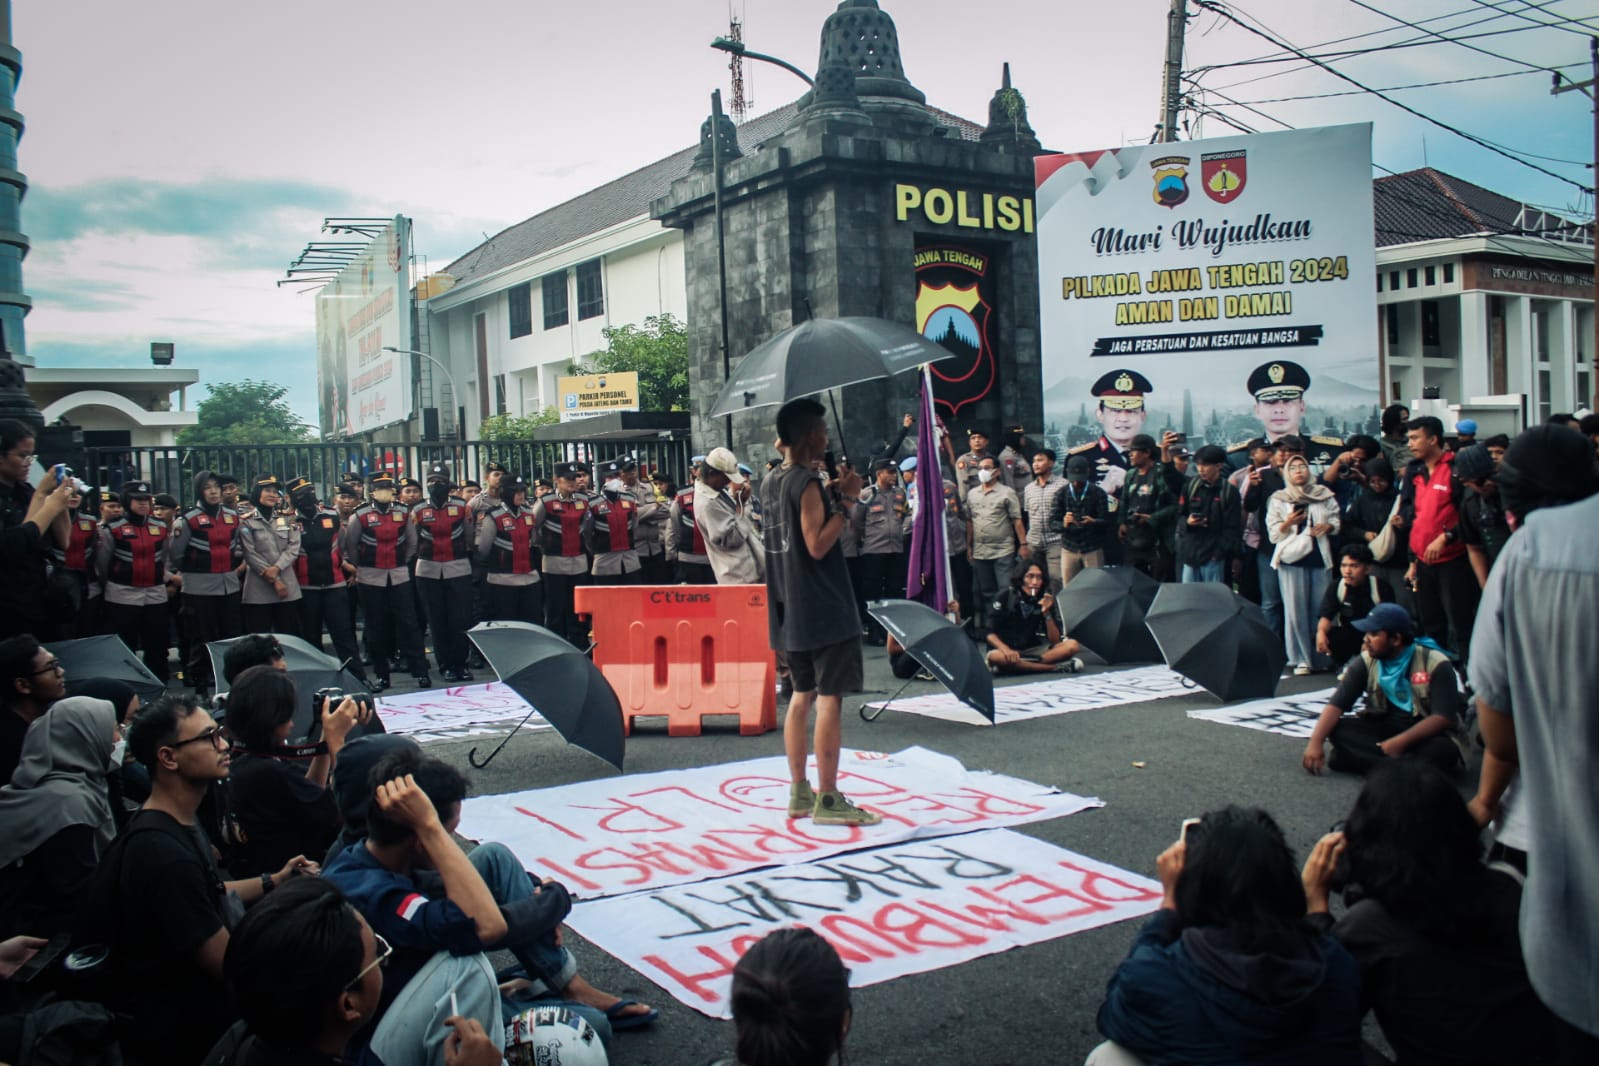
x: 565, y: 519
x: 445, y: 529
x: 75, y: 564
x: 324, y: 599
x: 684, y: 540
x: 508, y: 550
x: 131, y: 560
x: 381, y: 539
x: 205, y: 548
x: 615, y: 536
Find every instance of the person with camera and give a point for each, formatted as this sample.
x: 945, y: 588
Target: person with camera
x: 31, y: 524
x: 279, y: 792
x: 1358, y: 590
x: 1210, y: 526
x: 157, y: 902
x: 1146, y: 505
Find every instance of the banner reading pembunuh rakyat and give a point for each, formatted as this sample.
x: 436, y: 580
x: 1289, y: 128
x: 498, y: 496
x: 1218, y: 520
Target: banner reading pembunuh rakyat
x: 1224, y: 288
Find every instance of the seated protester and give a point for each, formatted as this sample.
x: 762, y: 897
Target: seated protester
x: 1413, y: 701
x: 128, y: 783
x: 55, y: 817
x: 1229, y: 971
x: 1435, y: 930
x: 1358, y: 590
x: 157, y: 900
x: 488, y: 901
x: 790, y: 1001
x: 350, y: 789
x: 1026, y: 634
x: 279, y: 794
x: 31, y: 679
x: 252, y: 649
x: 307, y: 974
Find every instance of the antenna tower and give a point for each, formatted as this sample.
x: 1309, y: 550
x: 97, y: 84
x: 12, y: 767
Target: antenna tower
x: 741, y: 102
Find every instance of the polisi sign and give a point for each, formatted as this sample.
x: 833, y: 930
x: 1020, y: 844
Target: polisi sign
x: 969, y: 210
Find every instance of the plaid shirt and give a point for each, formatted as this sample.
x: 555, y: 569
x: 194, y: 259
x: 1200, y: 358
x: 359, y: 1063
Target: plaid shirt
x: 1038, y: 501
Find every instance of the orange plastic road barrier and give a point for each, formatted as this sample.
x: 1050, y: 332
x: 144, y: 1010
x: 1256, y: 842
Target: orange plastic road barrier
x: 685, y: 651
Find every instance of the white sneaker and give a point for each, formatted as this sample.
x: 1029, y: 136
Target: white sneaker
x: 1302, y: 670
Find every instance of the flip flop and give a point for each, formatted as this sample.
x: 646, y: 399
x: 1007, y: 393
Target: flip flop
x: 622, y: 1022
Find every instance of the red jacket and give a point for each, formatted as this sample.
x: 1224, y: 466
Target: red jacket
x: 1432, y: 506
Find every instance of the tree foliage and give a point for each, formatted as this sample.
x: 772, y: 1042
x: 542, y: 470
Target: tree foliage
x: 246, y: 412
x: 657, y: 351
x: 517, y: 427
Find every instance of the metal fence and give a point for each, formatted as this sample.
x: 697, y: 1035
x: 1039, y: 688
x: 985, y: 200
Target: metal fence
x: 172, y: 469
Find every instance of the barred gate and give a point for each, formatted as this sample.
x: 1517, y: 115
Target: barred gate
x: 172, y: 469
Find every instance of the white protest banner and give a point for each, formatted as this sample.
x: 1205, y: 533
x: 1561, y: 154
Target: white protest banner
x: 1289, y: 716
x: 455, y: 713
x: 1224, y: 288
x: 890, y: 911
x: 1042, y: 699
x: 650, y: 831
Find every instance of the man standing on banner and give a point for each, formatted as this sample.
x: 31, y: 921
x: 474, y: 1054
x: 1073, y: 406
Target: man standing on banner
x: 649, y: 535
x: 684, y: 538
x: 565, y: 519
x: 731, y: 539
x: 808, y: 594
x: 1279, y: 389
x: 381, y: 540
x: 321, y: 573
x: 508, y: 547
x: 1121, y: 414
x: 614, y: 539
x: 444, y: 535
x: 204, y: 547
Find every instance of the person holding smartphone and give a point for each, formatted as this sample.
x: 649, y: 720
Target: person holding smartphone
x: 32, y: 524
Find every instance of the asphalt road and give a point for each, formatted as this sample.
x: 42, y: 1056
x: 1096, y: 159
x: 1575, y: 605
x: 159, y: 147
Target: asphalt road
x: 1034, y: 1004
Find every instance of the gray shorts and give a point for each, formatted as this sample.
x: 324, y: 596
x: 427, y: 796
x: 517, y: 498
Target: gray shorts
x: 835, y: 670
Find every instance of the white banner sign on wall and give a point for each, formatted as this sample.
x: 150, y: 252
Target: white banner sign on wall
x: 890, y: 911
x: 650, y: 831
x: 1224, y: 288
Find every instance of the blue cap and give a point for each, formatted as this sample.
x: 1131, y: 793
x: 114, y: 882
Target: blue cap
x: 746, y: 471
x: 696, y: 459
x: 1386, y: 618
x: 907, y: 464
x: 1466, y: 425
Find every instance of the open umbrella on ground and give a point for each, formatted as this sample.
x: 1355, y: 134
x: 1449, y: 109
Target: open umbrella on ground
x: 1143, y: 587
x: 941, y: 646
x: 1218, y: 640
x: 1107, y: 618
x: 559, y: 682
x: 106, y: 658
x: 312, y: 669
x: 823, y: 354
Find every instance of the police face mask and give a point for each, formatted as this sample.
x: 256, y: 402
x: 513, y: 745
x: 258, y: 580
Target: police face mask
x: 384, y: 496
x: 438, y: 492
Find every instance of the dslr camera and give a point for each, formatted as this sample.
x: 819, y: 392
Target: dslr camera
x: 332, y: 696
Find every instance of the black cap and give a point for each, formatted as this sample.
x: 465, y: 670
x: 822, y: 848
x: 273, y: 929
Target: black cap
x: 165, y: 499
x: 1278, y: 380
x: 884, y: 464
x: 610, y: 469
x: 349, y: 489
x: 627, y: 462
x: 439, y: 472
x: 223, y: 480
x: 135, y: 490
x: 568, y: 470
x: 268, y: 481
x: 382, y: 480
x: 977, y: 431
x: 492, y: 467
x: 545, y: 483
x: 1122, y: 390
x: 410, y: 483
x: 1474, y: 463
x: 512, y: 484
x: 470, y: 483
x: 1210, y: 453
x: 1143, y: 442
x: 299, y: 485
x: 1257, y: 444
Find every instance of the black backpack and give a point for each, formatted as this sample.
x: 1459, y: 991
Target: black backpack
x: 61, y: 1033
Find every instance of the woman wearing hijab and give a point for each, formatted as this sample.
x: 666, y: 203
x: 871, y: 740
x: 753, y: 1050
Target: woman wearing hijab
x: 271, y: 544
x: 1301, y: 519
x: 55, y: 819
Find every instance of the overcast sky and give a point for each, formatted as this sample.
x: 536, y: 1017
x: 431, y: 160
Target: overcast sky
x: 181, y: 152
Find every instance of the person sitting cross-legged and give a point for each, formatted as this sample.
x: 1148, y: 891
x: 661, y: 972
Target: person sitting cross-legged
x: 1357, y: 590
x: 1413, y: 701
x: 1026, y: 634
x: 307, y: 973
x: 423, y: 894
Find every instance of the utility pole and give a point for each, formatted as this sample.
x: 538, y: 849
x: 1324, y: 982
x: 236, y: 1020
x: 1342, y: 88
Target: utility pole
x: 1590, y: 88
x: 1171, y: 85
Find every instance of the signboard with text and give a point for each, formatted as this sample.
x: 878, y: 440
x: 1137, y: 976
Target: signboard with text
x: 359, y: 314
x: 588, y: 395
x: 1223, y: 288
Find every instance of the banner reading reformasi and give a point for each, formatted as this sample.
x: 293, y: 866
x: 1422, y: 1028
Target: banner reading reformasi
x: 1223, y: 288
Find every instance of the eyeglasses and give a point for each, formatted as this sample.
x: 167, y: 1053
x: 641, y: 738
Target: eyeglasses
x: 385, y: 949
x: 214, y: 735
x: 54, y: 665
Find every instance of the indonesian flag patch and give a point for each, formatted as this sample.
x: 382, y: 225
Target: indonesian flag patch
x: 410, y: 905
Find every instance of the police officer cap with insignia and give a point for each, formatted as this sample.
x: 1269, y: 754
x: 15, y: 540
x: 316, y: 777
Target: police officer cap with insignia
x: 381, y: 480
x: 567, y: 471
x: 1278, y: 381
x: 439, y: 472
x: 1122, y: 390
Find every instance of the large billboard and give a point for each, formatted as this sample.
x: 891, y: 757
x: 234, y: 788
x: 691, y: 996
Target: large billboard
x: 364, y: 310
x: 1223, y: 288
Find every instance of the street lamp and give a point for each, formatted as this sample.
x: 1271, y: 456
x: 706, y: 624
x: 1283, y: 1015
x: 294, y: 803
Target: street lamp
x: 455, y: 393
x: 727, y: 44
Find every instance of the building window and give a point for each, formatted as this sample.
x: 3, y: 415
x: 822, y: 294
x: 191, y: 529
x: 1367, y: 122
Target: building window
x: 1393, y: 323
x: 519, y: 301
x: 590, y: 290
x: 1449, y: 273
x: 554, y: 300
x: 1432, y: 275
x: 1393, y: 280
x: 499, y: 394
x: 1429, y: 323
x: 1545, y: 401
x: 1410, y: 278
x: 1379, y: 281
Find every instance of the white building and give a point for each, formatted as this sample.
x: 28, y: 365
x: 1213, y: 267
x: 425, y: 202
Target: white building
x: 1481, y: 296
x: 115, y: 408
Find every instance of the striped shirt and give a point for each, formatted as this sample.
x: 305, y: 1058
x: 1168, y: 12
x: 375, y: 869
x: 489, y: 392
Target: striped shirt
x: 1039, y: 503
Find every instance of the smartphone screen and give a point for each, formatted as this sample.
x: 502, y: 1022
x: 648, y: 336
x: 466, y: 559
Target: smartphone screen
x: 1188, y: 823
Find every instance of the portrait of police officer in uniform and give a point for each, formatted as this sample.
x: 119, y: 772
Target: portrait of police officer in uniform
x: 1121, y: 416
x: 1279, y: 389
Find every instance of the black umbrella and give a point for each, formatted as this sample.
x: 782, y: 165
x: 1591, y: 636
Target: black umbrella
x: 1218, y: 640
x: 1107, y: 617
x: 1143, y: 587
x: 941, y: 646
x: 822, y: 354
x: 559, y: 682
x: 312, y: 669
x: 106, y: 658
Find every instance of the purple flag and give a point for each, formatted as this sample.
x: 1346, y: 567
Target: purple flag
x: 927, y: 568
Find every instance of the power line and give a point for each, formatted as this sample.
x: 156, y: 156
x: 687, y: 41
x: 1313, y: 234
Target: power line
x: 1564, y: 24
x: 1211, y: 5
x: 1434, y: 33
x: 1396, y: 88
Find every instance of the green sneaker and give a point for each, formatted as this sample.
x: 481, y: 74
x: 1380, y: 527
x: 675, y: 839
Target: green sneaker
x: 834, y: 808
x: 801, y: 798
